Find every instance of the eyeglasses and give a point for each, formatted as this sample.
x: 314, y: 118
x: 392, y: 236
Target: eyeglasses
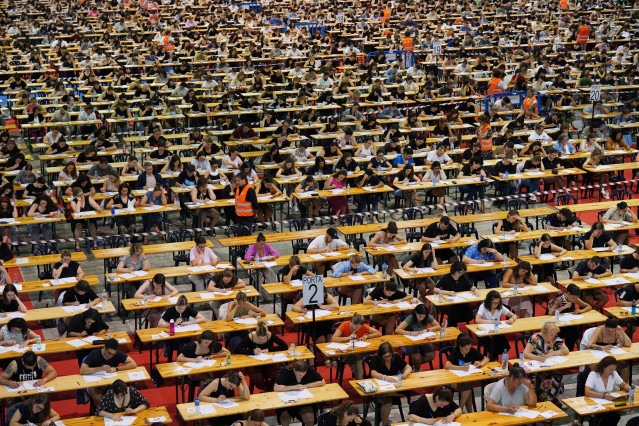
x: 387, y: 356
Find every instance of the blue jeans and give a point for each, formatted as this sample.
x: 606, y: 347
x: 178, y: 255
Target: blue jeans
x: 366, y: 200
x: 531, y: 184
x: 488, y: 276
x: 473, y: 190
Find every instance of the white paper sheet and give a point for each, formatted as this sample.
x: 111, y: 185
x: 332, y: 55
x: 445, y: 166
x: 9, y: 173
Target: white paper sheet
x: 126, y: 421
x: 599, y: 354
x: 615, y: 281
x: 462, y: 373
x: 226, y: 404
x: 338, y: 346
x: 137, y: 375
x: 490, y: 327
x: 601, y: 401
x: 77, y: 343
x: 616, y: 350
x: 318, y: 313
x: 185, y: 328
x: 246, y: 321
x: 296, y: 283
x: 546, y: 256
x: 293, y: 396
x: 260, y: 357
x: 357, y: 277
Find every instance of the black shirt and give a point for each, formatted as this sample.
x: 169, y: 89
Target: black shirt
x: 434, y: 230
x: 69, y: 271
x: 456, y: 357
x: 373, y: 180
x: 9, y: 307
x: 553, y: 218
x: 600, y: 241
x: 422, y: 408
x: 378, y: 294
x: 95, y: 359
x: 388, y: 149
x: 274, y: 344
x: 33, y: 190
x: 70, y: 296
x: 172, y: 314
x: 156, y: 154
x: 185, y: 179
x: 467, y: 172
x: 502, y: 168
x: 286, y: 377
x: 301, y: 271
x: 549, y: 165
x: 188, y: 350
x: 397, y: 364
x: 582, y: 269
x: 77, y: 326
x: 468, y: 154
x: 448, y: 283
x: 629, y: 293
x: 629, y: 262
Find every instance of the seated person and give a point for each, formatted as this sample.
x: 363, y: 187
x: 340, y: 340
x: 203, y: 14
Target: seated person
x: 180, y: 314
x: 601, y: 382
x: 28, y: 367
x: 121, y: 398
x: 16, y: 332
x: 608, y: 335
x: 443, y: 230
x: 352, y: 266
x: 345, y: 414
x: 384, y: 238
x: 326, y: 243
x: 490, y: 310
x: 454, y: 282
x: 521, y: 274
x: 355, y: 329
x: 150, y: 289
x: 34, y: 410
x: 383, y: 366
x: 108, y: 358
x: 598, y: 238
x: 323, y: 328
x: 561, y: 220
x: 620, y: 214
x: 512, y: 391
x: 569, y: 302
x: 512, y: 224
x: 10, y: 302
x: 200, y: 254
x: 225, y: 281
x: 546, y: 271
x: 384, y: 293
x: 541, y: 346
x: 425, y: 258
x: 253, y: 418
x: 433, y: 405
x: 480, y: 253
x: 66, y: 268
x: 297, y: 376
x: 592, y: 268
x: 262, y: 341
x: 241, y: 308
x: 461, y: 358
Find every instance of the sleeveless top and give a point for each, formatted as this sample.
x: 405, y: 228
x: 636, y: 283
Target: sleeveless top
x: 22, y: 373
x: 564, y: 302
x: 241, y: 313
x: 366, y: 152
x: 221, y: 390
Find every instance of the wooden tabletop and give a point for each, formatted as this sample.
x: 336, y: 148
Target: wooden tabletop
x: 417, y: 246
x: 396, y: 341
x: 47, y: 259
x: 266, y: 401
x: 169, y: 272
x: 192, y: 297
x: 533, y: 324
x: 55, y: 312
x: 374, y: 227
x: 238, y: 361
x: 329, y: 282
x: 613, y: 280
x: 304, y: 258
x: 149, y: 335
x: 143, y: 418
x: 77, y: 381
x: 538, y: 175
x: 55, y: 346
x: 149, y: 249
x: 620, y: 312
x: 489, y: 217
x: 506, y: 293
x: 488, y: 418
x: 347, y: 312
x: 536, y: 234
x: 580, y: 405
x: 445, y: 269
x: 343, y: 193
x: 603, y: 168
x: 42, y: 285
x: 122, y: 212
x: 435, y: 378
x: 577, y: 255
x: 602, y: 205
x: 272, y: 238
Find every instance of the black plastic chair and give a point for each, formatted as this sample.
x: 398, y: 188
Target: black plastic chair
x: 406, y: 357
x: 412, y: 234
x: 396, y: 400
x: 238, y: 251
x: 621, y: 194
x: 600, y: 214
x: 112, y: 241
x: 46, y: 273
x: 299, y: 225
x: 179, y: 236
x: 523, y: 339
x: 466, y: 229
x: 339, y: 373
x: 565, y: 200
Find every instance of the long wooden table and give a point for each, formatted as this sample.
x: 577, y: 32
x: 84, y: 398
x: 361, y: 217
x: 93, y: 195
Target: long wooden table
x: 56, y: 312
x: 47, y: 259
x: 602, y: 205
x: 577, y: 255
x: 52, y: 284
x: 143, y: 418
x: 55, y: 346
x: 417, y: 246
x: 347, y: 312
x: 161, y: 334
x: 534, y: 235
x: 491, y: 217
x: 490, y: 418
x: 524, y: 325
x: 266, y: 401
x: 179, y: 371
x: 374, y: 227
x: 506, y: 293
x: 125, y: 212
x: 445, y: 269
x: 611, y: 281
x: 580, y: 405
x: 137, y: 305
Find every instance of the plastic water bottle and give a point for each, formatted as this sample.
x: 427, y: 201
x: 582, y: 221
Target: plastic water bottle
x: 481, y: 178
x: 496, y: 327
x: 503, y: 234
x: 375, y: 306
x: 291, y: 349
x: 557, y: 315
x: 384, y: 270
x: 109, y: 335
x: 633, y: 310
x: 319, y: 174
x: 441, y: 296
x: 59, y: 214
x: 257, y: 259
x: 434, y: 180
x: 521, y: 359
x: 351, y: 246
x: 105, y: 300
x: 197, y: 406
x: 284, y: 192
x: 620, y: 247
x: 506, y: 175
x: 176, y: 201
x: 504, y: 361
x: 228, y: 359
x: 145, y: 301
x: 38, y: 343
x: 452, y: 146
x: 172, y: 328
x: 547, y: 225
x: 15, y: 278
x: 442, y: 330
x: 631, y: 395
x: 112, y: 211
x: 348, y: 186
x: 399, y: 379
x: 515, y: 290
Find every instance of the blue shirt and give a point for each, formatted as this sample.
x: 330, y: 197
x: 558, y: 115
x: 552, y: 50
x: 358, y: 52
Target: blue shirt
x: 345, y: 267
x: 276, y: 21
x: 560, y: 148
x: 400, y: 160
x: 386, y: 113
x: 473, y: 253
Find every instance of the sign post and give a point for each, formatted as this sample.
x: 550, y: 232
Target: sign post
x: 595, y: 96
x: 313, y: 295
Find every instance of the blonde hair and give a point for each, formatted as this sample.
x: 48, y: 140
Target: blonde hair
x: 549, y: 326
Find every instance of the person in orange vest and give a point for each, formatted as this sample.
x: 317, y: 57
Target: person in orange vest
x: 407, y: 42
x: 144, y: 4
x: 485, y: 136
x: 168, y: 41
x: 385, y: 14
x: 496, y: 84
x: 583, y: 35
x: 529, y: 105
x: 563, y: 5
x: 245, y: 202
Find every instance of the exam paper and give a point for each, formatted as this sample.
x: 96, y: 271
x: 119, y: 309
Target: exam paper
x: 293, y: 396
x: 126, y: 421
x: 137, y: 375
x: 318, y: 313
x: 546, y: 256
x: 226, y: 404
x: 246, y: 321
x: 462, y: 373
x: 490, y: 327
x: 295, y: 283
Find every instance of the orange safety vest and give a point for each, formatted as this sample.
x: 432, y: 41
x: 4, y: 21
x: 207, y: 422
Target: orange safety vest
x: 386, y: 16
x: 584, y: 33
x: 144, y: 4
x: 486, y: 144
x: 493, y: 87
x: 528, y: 102
x: 407, y: 43
x: 243, y: 207
x: 563, y: 4
x: 168, y: 46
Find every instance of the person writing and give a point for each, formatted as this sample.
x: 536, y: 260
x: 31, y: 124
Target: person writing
x: 429, y: 407
x: 511, y: 392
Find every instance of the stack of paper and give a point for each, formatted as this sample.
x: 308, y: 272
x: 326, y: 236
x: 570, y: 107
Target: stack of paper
x: 546, y: 256
x: 96, y: 377
x: 615, y: 281
x: 246, y: 321
x: 295, y: 283
x: 425, y: 271
x: 339, y: 346
x: 463, y: 373
x: 294, y: 396
x: 226, y: 404
x: 185, y: 328
x: 318, y: 313
x: 126, y: 421
x: 490, y: 327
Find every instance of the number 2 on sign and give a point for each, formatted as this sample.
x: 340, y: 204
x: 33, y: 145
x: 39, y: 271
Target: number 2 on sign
x: 313, y: 289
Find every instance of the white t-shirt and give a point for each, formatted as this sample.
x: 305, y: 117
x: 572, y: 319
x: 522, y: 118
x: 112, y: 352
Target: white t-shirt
x: 595, y: 382
x: 237, y: 162
x: 320, y: 243
x: 534, y: 136
x: 432, y: 157
x: 485, y: 313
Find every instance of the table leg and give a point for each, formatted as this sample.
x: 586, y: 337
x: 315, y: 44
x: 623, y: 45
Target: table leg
x: 378, y: 414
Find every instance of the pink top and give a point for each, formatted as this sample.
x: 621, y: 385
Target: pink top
x: 207, y: 257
